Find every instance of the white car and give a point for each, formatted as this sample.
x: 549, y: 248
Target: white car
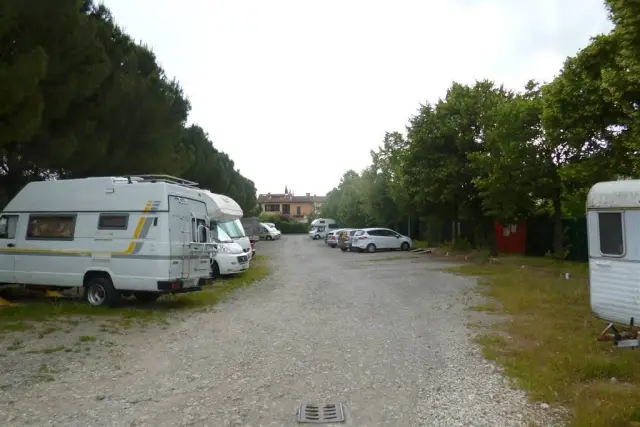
x: 372, y: 239
x: 231, y: 258
x: 268, y: 233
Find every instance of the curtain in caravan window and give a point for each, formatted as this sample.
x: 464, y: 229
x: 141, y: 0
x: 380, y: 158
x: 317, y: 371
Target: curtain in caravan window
x: 611, y: 233
x: 53, y: 227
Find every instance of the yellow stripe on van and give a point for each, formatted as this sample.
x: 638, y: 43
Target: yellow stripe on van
x: 132, y: 244
x: 137, y: 231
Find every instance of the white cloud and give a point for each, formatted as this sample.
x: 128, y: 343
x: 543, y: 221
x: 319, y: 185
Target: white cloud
x: 296, y: 92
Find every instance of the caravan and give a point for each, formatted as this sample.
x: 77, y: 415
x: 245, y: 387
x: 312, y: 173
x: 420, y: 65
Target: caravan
x: 145, y: 235
x: 613, y: 221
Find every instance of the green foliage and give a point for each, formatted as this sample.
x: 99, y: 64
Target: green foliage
x: 483, y: 153
x: 284, y: 225
x: 78, y: 98
x: 292, y: 227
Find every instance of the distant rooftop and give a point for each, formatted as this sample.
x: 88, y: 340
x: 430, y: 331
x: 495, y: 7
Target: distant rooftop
x: 290, y: 198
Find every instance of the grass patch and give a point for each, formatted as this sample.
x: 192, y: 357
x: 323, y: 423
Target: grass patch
x: 15, y: 345
x: 487, y: 308
x: 422, y: 244
x: 15, y: 326
x: 47, y: 350
x: 29, y: 310
x: 548, y: 344
x: 391, y: 258
x: 87, y: 338
x: 223, y: 287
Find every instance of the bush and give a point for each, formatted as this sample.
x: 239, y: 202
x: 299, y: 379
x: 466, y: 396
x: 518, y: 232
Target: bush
x: 288, y: 227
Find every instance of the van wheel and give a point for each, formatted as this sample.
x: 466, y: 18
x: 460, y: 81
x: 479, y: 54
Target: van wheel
x: 371, y: 248
x: 316, y: 237
x: 343, y: 249
x: 215, y: 270
x: 404, y: 246
x: 147, y: 296
x: 269, y: 238
x: 101, y: 293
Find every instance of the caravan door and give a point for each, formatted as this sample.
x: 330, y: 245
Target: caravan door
x: 180, y: 237
x: 8, y: 227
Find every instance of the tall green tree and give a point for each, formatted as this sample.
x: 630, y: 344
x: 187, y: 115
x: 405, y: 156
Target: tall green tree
x: 78, y: 97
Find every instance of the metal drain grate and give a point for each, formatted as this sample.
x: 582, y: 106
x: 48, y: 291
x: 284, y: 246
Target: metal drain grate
x: 329, y: 413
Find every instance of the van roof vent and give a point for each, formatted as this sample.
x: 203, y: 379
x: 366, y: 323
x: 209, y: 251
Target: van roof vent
x: 161, y: 178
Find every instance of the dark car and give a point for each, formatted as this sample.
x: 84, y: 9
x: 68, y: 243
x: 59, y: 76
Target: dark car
x: 251, y: 227
x: 344, y: 239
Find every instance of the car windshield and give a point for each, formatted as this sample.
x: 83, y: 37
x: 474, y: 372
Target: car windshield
x: 233, y: 228
x: 218, y: 235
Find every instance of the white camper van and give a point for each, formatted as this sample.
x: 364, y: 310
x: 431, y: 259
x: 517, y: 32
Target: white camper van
x: 613, y: 221
x: 234, y: 248
x: 321, y: 227
x: 145, y: 235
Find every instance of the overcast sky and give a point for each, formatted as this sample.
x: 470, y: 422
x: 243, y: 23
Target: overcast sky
x: 297, y: 92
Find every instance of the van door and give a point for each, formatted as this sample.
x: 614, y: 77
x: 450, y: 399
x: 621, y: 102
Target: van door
x: 8, y: 227
x: 180, y: 236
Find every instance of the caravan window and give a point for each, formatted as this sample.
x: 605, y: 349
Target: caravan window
x: 51, y: 227
x: 611, y: 233
x: 113, y: 221
x: 8, y: 226
x: 198, y: 234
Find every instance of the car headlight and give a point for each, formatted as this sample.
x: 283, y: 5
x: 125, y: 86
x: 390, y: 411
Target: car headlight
x: 224, y: 249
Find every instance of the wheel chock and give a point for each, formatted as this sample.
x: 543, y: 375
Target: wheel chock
x: 5, y: 303
x: 53, y: 294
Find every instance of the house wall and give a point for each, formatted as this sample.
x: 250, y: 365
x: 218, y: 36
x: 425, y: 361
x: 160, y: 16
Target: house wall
x: 305, y: 208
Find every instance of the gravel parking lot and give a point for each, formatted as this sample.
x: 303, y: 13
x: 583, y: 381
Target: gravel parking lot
x: 382, y: 333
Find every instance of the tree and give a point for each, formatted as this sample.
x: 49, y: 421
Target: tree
x: 78, y: 98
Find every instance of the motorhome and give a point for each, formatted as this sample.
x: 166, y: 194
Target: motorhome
x: 321, y: 226
x: 268, y: 233
x: 146, y: 235
x: 227, y: 216
x: 322, y: 222
x: 234, y: 248
x: 613, y: 220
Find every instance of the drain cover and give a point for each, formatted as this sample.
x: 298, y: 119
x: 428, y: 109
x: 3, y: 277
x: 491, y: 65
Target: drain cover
x: 329, y: 413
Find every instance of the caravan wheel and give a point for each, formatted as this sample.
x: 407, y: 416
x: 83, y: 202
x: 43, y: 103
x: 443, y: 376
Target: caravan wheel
x: 215, y: 270
x: 100, y: 292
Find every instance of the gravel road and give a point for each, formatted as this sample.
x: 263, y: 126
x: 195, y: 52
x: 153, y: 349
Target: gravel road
x: 385, y: 337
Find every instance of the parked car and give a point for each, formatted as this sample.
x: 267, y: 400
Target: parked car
x: 332, y: 238
x: 272, y: 225
x: 344, y: 239
x: 372, y: 239
x: 268, y: 233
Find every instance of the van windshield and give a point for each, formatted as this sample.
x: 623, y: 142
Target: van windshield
x: 219, y: 235
x: 233, y: 228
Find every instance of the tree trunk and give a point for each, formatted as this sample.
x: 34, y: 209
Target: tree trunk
x: 558, y: 232
x: 491, y: 239
x: 454, y: 232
